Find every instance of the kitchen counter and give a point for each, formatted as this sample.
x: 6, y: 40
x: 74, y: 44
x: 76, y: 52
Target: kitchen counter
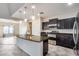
x: 36, y: 46
x: 33, y: 38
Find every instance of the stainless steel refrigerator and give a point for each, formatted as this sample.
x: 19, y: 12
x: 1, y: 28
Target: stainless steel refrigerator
x: 76, y: 35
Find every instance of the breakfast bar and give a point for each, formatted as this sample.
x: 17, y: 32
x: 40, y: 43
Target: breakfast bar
x: 34, y: 46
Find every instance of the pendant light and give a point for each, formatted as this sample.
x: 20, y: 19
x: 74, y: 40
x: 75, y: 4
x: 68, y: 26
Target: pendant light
x: 33, y: 12
x: 25, y: 19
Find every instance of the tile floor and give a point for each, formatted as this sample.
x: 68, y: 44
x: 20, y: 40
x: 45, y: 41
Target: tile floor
x: 8, y: 48
x: 59, y: 51
x: 11, y: 50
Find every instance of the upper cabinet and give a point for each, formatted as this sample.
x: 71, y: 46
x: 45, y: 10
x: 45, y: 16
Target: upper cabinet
x: 66, y: 23
x: 45, y: 25
x: 60, y: 24
x: 53, y: 23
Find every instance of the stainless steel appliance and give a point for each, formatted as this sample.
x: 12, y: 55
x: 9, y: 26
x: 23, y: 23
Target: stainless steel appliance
x: 75, y: 36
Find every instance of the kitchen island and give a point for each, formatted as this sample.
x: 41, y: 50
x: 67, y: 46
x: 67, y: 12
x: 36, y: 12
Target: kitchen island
x: 36, y: 46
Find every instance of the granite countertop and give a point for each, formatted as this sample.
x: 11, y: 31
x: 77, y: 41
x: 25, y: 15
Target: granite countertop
x: 33, y: 38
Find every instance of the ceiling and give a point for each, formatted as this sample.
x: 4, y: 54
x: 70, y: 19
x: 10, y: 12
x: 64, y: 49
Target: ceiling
x: 8, y: 9
x: 51, y: 10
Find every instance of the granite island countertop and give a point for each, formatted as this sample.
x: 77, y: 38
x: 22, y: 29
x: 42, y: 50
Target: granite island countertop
x: 33, y: 38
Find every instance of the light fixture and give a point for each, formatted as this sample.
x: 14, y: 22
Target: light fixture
x: 24, y: 12
x: 25, y: 20
x: 20, y: 22
x: 33, y: 6
x: 69, y: 3
x: 38, y: 14
x: 33, y: 17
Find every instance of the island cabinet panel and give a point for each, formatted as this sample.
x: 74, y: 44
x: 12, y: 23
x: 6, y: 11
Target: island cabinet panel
x: 45, y: 47
x: 65, y: 40
x: 44, y: 37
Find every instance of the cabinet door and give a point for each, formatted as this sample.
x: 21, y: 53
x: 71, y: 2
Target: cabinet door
x: 53, y: 21
x: 68, y: 39
x: 65, y: 40
x: 60, y: 24
x: 69, y: 23
x: 66, y: 23
x: 59, y: 39
x: 45, y: 25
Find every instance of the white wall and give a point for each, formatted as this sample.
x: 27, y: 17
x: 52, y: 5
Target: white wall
x: 66, y: 15
x: 22, y: 28
x: 1, y: 31
x: 16, y: 29
x: 36, y: 27
x: 5, y: 22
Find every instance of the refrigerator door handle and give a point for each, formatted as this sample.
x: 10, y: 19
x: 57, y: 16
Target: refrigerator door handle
x: 75, y: 32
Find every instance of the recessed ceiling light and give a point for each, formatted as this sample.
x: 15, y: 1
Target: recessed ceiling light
x: 25, y: 20
x: 38, y: 14
x: 24, y: 12
x: 20, y: 22
x: 33, y: 17
x: 69, y: 3
x: 33, y: 7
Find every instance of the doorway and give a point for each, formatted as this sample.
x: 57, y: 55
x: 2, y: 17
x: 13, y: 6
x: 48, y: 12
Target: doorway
x: 8, y: 31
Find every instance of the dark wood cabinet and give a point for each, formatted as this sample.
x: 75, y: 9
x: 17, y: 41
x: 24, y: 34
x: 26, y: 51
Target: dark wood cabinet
x: 66, y: 23
x: 45, y: 25
x: 53, y: 21
x: 78, y: 43
x: 45, y: 47
x: 60, y: 24
x: 65, y: 40
x: 44, y: 37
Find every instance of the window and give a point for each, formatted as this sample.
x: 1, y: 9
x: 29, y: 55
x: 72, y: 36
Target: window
x: 5, y: 29
x: 11, y: 29
x: 8, y: 29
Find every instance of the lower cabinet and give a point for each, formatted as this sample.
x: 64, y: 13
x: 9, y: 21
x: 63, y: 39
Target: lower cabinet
x: 65, y: 40
x: 78, y: 43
